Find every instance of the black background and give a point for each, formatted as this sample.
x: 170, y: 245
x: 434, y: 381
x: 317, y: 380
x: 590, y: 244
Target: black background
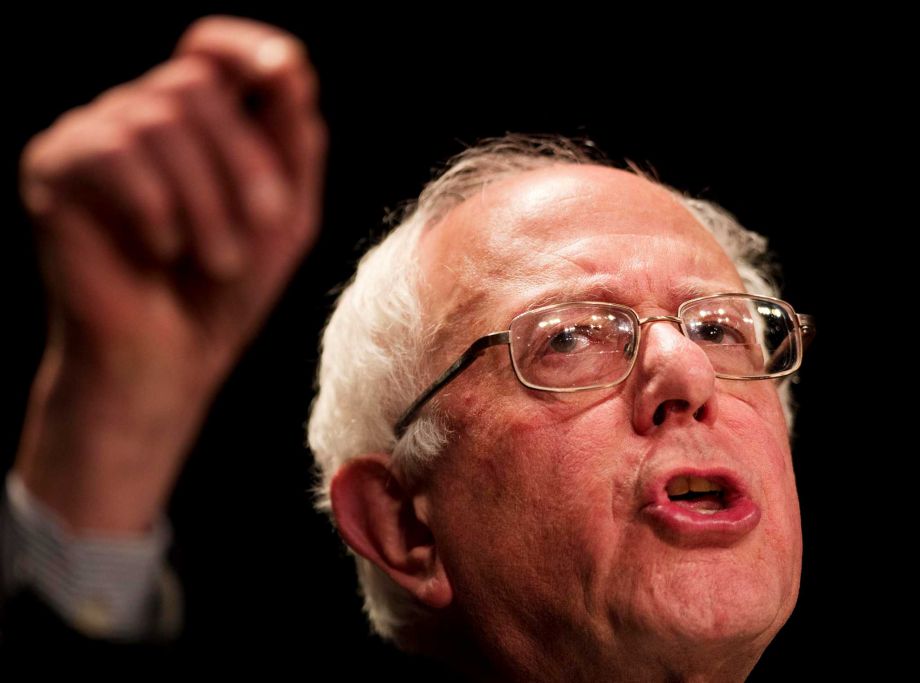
x: 772, y: 129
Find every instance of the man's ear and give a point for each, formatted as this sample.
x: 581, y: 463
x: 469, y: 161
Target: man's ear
x: 377, y: 517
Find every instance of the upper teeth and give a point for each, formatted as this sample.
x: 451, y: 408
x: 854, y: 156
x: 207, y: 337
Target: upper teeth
x: 681, y: 485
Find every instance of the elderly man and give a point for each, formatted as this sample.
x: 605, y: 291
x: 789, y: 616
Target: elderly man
x: 606, y: 495
x: 603, y: 501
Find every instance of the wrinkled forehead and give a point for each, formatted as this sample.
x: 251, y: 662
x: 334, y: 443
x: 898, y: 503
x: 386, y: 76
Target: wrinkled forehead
x: 557, y: 226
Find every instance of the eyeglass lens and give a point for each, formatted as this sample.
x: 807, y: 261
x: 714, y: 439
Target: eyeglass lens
x: 578, y: 346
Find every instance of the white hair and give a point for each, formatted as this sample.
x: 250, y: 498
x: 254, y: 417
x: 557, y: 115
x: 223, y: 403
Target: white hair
x: 371, y: 357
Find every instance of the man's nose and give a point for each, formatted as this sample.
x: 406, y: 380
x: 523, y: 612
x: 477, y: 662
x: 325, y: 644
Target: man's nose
x: 673, y: 380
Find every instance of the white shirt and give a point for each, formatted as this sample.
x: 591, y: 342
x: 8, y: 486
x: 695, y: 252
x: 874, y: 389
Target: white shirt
x: 117, y: 587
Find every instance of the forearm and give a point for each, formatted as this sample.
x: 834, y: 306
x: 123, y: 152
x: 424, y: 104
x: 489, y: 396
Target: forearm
x: 83, y: 522
x: 102, y: 451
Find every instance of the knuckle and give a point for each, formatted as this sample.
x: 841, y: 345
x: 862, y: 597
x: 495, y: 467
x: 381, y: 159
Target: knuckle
x: 114, y: 94
x: 186, y: 76
x: 33, y: 160
x: 199, y: 29
x: 64, y: 153
x: 219, y: 28
x: 104, y: 159
x: 196, y: 74
x: 283, y: 56
x: 294, y: 51
x: 111, y: 145
x: 35, y: 178
x: 154, y: 117
x: 47, y: 150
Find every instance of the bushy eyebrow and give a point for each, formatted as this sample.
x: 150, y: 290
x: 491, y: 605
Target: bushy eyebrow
x: 600, y: 287
x: 585, y: 288
x: 689, y: 287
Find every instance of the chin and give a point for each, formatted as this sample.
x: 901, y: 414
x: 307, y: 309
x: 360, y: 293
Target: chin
x: 706, y: 621
x: 712, y: 604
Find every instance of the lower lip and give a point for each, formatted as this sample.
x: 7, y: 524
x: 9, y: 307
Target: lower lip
x: 686, y: 527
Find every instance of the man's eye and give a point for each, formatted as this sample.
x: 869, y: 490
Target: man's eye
x: 711, y: 333
x: 717, y: 333
x: 570, y: 340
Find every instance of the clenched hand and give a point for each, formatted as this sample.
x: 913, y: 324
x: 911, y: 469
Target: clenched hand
x: 170, y: 212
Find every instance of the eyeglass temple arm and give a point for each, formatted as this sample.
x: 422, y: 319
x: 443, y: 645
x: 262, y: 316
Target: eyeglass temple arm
x: 475, y: 350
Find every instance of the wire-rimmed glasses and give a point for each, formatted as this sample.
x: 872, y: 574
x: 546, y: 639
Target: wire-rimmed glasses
x: 584, y: 345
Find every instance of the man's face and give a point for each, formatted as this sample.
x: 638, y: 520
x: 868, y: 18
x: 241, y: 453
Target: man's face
x: 551, y: 512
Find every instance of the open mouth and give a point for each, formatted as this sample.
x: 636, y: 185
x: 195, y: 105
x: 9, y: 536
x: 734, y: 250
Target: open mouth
x: 697, y: 493
x: 696, y: 508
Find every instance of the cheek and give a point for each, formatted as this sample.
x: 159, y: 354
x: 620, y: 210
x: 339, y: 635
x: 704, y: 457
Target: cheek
x: 753, y: 416
x: 536, y: 502
x: 755, y: 419
x: 551, y: 454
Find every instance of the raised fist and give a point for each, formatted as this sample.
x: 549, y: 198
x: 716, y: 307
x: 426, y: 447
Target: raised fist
x: 170, y: 212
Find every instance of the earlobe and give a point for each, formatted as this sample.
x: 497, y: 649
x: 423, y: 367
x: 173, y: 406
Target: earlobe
x: 377, y: 518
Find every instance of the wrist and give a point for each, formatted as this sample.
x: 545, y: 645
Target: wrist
x: 101, y: 452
